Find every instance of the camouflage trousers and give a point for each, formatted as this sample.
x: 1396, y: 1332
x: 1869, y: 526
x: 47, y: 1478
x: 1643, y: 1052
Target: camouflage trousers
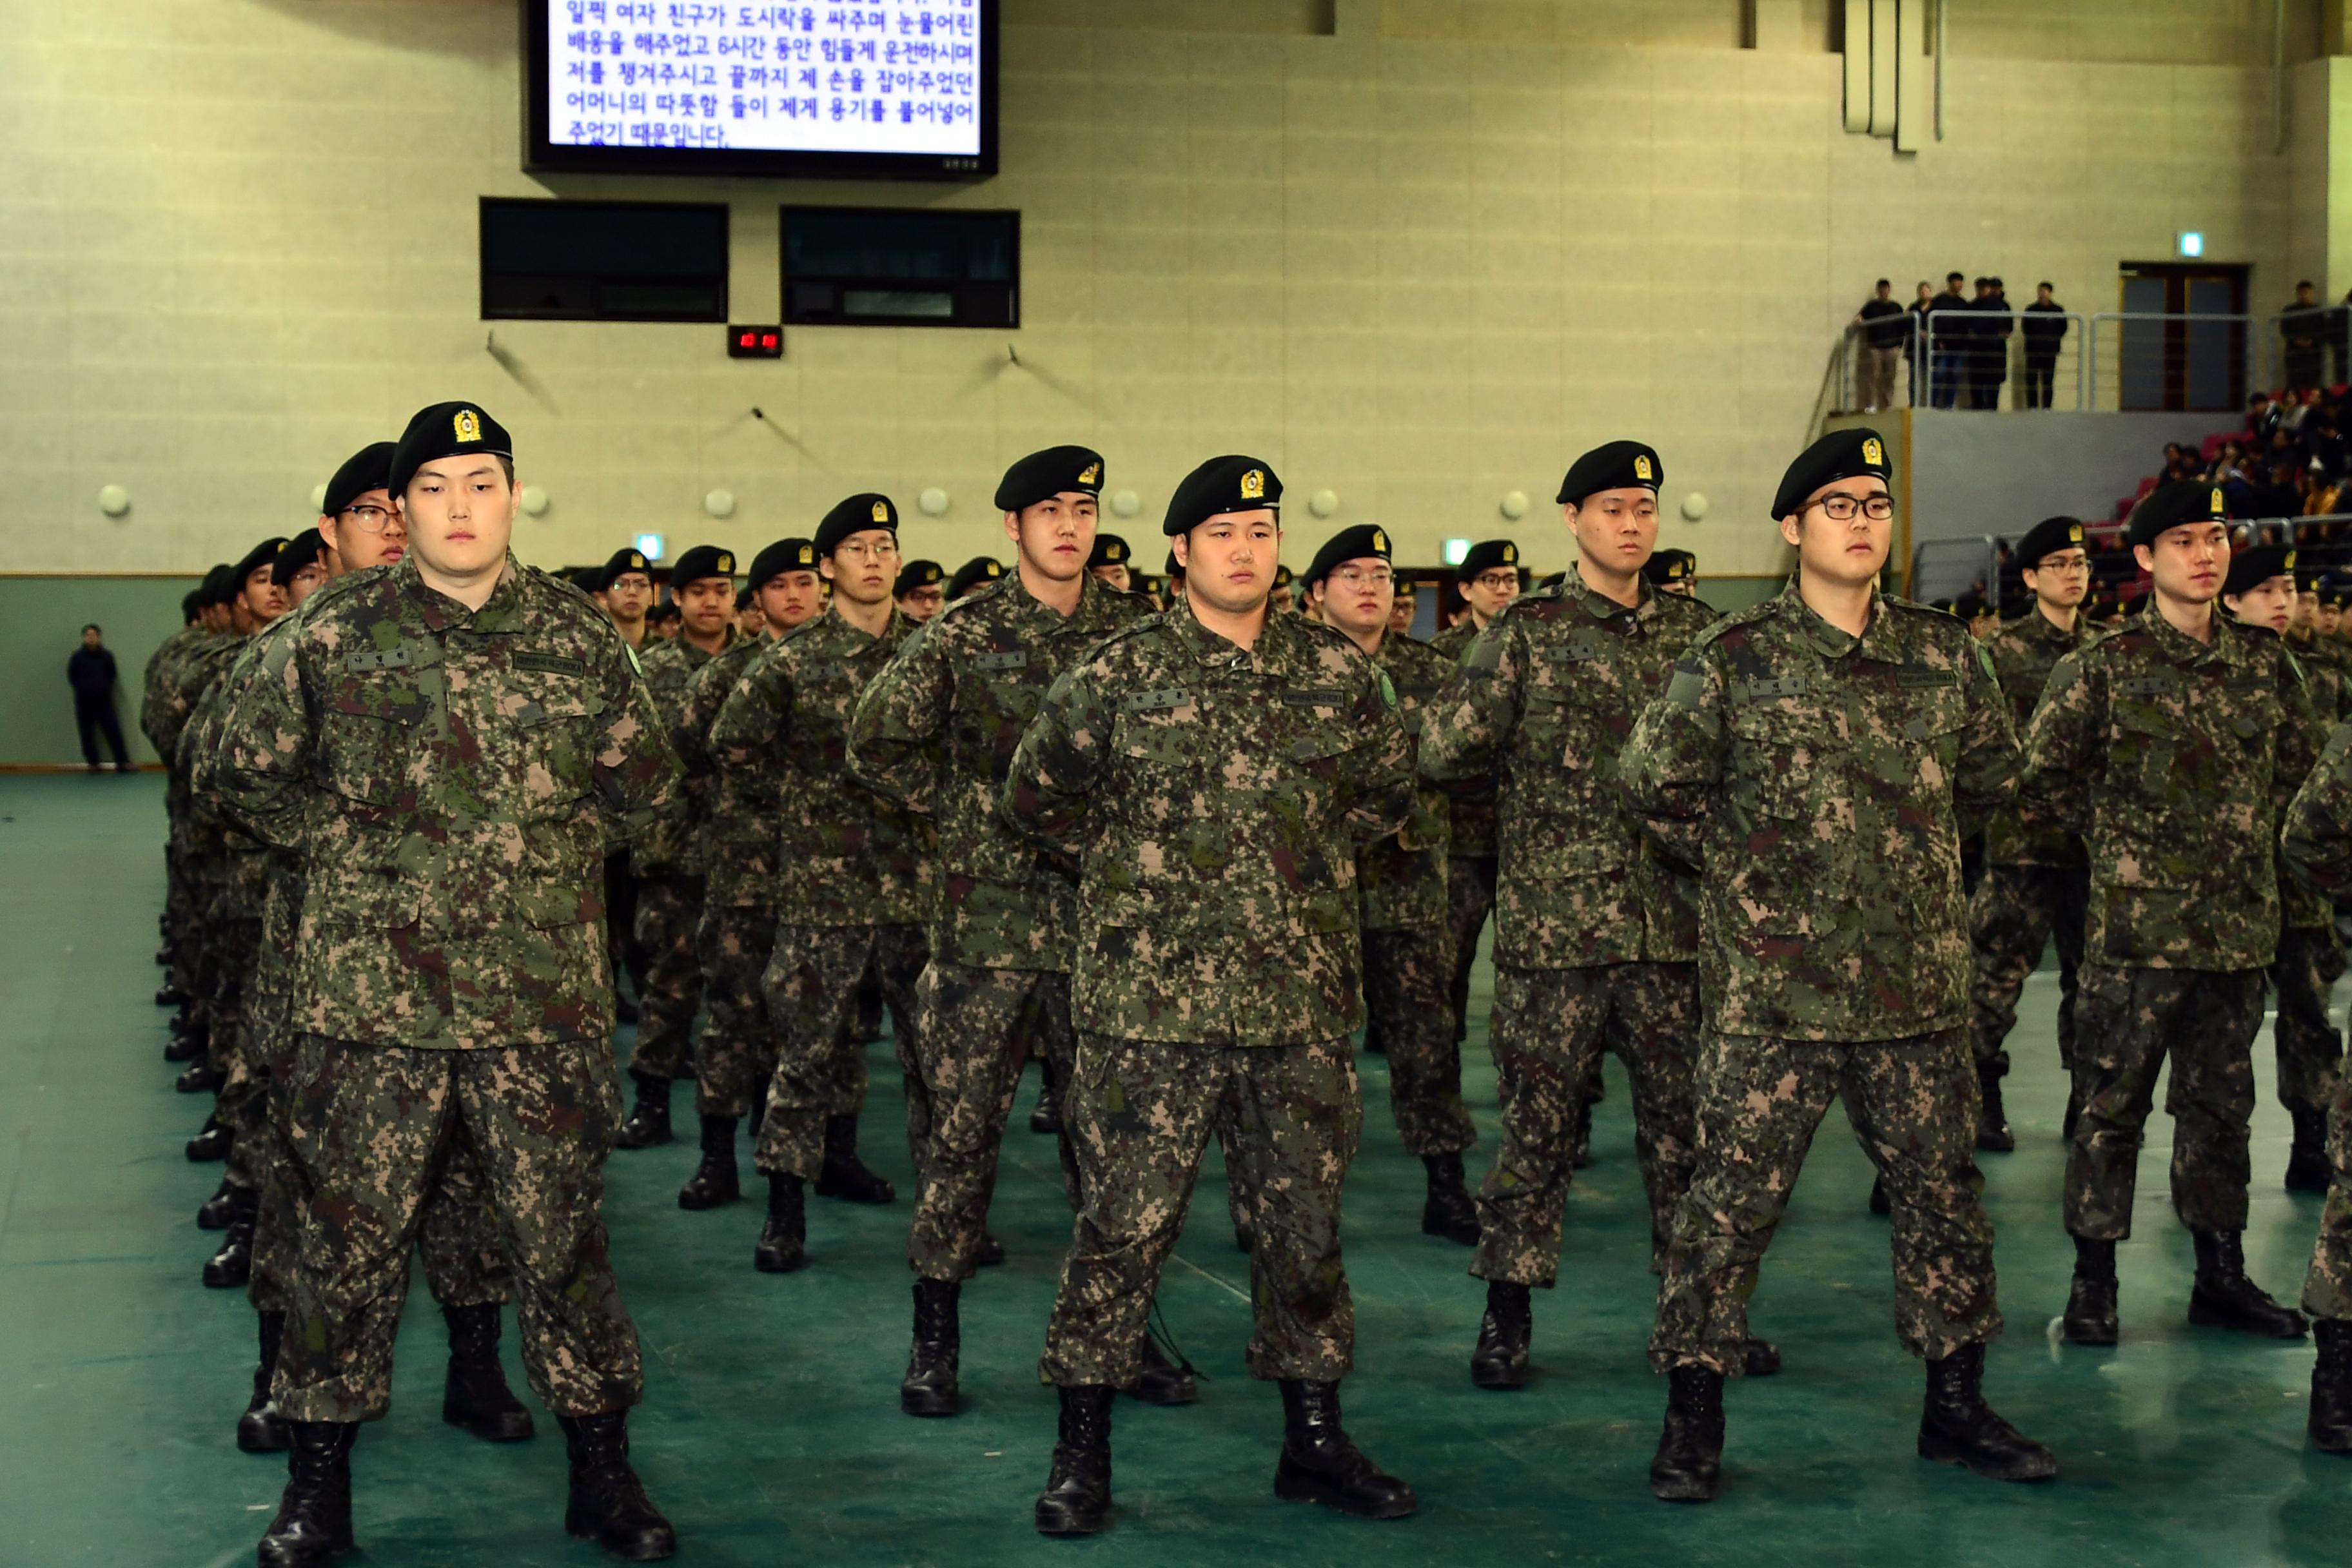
x: 1550, y: 1028
x: 234, y: 942
x: 811, y: 985
x: 2130, y: 1020
x: 1406, y: 974
x: 457, y: 1239
x: 180, y: 907
x: 2310, y: 1046
x: 1139, y: 1114
x: 977, y: 1029
x: 1469, y: 900
x: 669, y: 911
x: 366, y: 1127
x: 2014, y: 910
x: 736, y: 1054
x: 1914, y: 1106
x: 2328, y: 1289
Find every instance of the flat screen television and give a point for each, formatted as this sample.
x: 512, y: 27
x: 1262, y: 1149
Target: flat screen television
x: 889, y: 89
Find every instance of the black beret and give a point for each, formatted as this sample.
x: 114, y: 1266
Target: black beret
x: 1174, y: 568
x: 784, y: 556
x: 1041, y: 475
x: 296, y: 553
x: 2170, y: 506
x: 667, y: 610
x: 263, y: 554
x: 221, y: 583
x: 1484, y: 556
x: 917, y: 574
x: 2308, y: 579
x: 1218, y: 486
x: 190, y: 602
x: 745, y: 597
x: 2250, y: 569
x: 1281, y: 575
x: 629, y: 560
x: 1616, y: 466
x: 972, y: 573
x: 856, y: 514
x: 2048, y: 537
x: 1358, y: 543
x: 444, y: 430
x: 2335, y: 592
x: 702, y: 561
x: 1109, y: 550
x: 1839, y: 454
x: 369, y: 468
x: 1666, y: 566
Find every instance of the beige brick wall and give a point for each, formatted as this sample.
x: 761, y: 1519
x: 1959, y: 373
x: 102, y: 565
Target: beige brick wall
x: 1419, y: 263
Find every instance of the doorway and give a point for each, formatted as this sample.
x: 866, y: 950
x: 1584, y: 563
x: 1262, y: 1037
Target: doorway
x: 2180, y: 362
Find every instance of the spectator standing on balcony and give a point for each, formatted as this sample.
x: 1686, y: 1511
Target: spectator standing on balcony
x: 1987, y: 343
x: 1947, y: 341
x: 2303, y: 337
x: 1914, y: 324
x: 1884, y: 328
x: 2043, y: 328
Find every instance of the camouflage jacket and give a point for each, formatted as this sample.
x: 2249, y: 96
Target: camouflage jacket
x: 451, y: 778
x: 181, y: 683
x: 2315, y: 836
x: 934, y: 733
x: 842, y: 856
x: 1821, y: 784
x: 1470, y: 817
x: 2173, y: 759
x: 1544, y: 705
x: 243, y: 862
x: 735, y: 843
x: 156, y: 685
x: 2024, y: 653
x: 672, y: 846
x: 1400, y: 880
x: 1216, y: 798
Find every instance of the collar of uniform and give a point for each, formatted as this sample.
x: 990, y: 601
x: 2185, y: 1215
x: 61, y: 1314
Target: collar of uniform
x: 1836, y: 642
x: 2050, y: 632
x: 502, y: 612
x: 2180, y: 647
x: 1602, y: 607
x: 1268, y: 653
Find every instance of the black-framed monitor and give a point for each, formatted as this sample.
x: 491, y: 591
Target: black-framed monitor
x: 888, y: 90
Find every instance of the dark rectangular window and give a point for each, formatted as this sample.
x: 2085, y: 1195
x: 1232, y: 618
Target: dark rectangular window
x: 901, y: 267
x: 604, y: 261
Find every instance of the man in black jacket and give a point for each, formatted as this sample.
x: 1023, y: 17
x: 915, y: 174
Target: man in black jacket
x: 90, y: 673
x: 2043, y: 327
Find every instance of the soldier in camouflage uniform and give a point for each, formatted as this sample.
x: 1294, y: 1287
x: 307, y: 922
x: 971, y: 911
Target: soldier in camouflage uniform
x: 1213, y: 771
x: 1400, y: 891
x: 623, y: 587
x: 741, y: 840
x: 450, y: 744
x: 2036, y: 883
x: 1596, y: 936
x: 2315, y: 847
x: 2310, y: 954
x: 1489, y: 578
x: 194, y: 611
x: 174, y: 684
x: 667, y: 865
x: 1817, y: 758
x: 2171, y: 746
x: 850, y: 889
x: 1000, y: 940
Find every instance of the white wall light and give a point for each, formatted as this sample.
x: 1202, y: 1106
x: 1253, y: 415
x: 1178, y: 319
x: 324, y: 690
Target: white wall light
x: 720, y: 504
x: 1515, y: 504
x: 1456, y: 550
x: 533, y: 500
x: 113, y: 500
x: 1323, y: 503
x: 319, y: 497
x: 933, y: 500
x: 1127, y: 503
x: 649, y: 545
x: 1694, y: 506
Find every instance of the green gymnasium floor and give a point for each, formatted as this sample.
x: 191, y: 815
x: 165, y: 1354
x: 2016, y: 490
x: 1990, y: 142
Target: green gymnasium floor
x: 770, y: 1431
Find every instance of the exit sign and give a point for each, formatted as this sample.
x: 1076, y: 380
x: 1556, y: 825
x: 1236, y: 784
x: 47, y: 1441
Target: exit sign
x: 755, y: 343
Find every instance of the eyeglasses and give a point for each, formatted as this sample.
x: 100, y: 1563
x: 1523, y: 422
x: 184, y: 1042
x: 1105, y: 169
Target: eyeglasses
x: 1497, y: 580
x: 2071, y: 561
x: 864, y: 551
x: 1362, y: 576
x: 1841, y: 508
x: 369, y: 519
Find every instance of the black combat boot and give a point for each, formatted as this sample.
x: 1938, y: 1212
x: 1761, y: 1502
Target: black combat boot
x: 1762, y: 1357
x: 314, y: 1513
x: 649, y: 1122
x: 1688, y: 1465
x: 1878, y: 1199
x: 1580, y: 1138
x: 170, y: 995
x: 2224, y: 1298
x: 1957, y: 1428
x: 2331, y: 1386
x: 929, y: 1386
x: 1320, y: 1463
x: 1077, y: 1489
x: 992, y: 1251
x: 232, y: 1265
x: 211, y: 1141
x: 844, y: 1175
x: 216, y: 1211
x: 1048, y: 1116
x: 1162, y: 1382
x: 783, y: 1239
x: 1245, y: 1238
x: 2307, y: 1170
x: 184, y: 1045
x: 608, y: 1503
x: 261, y: 1430
x: 475, y: 1394
x: 625, y: 1011
x: 1500, y: 1360
x: 1992, y: 1120
x: 714, y: 1181
x: 201, y: 1077
x: 2089, y: 1317
x: 1447, y: 1211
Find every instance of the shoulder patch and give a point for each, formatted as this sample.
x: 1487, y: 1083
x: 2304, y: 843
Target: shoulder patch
x: 1688, y: 685
x: 1388, y: 690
